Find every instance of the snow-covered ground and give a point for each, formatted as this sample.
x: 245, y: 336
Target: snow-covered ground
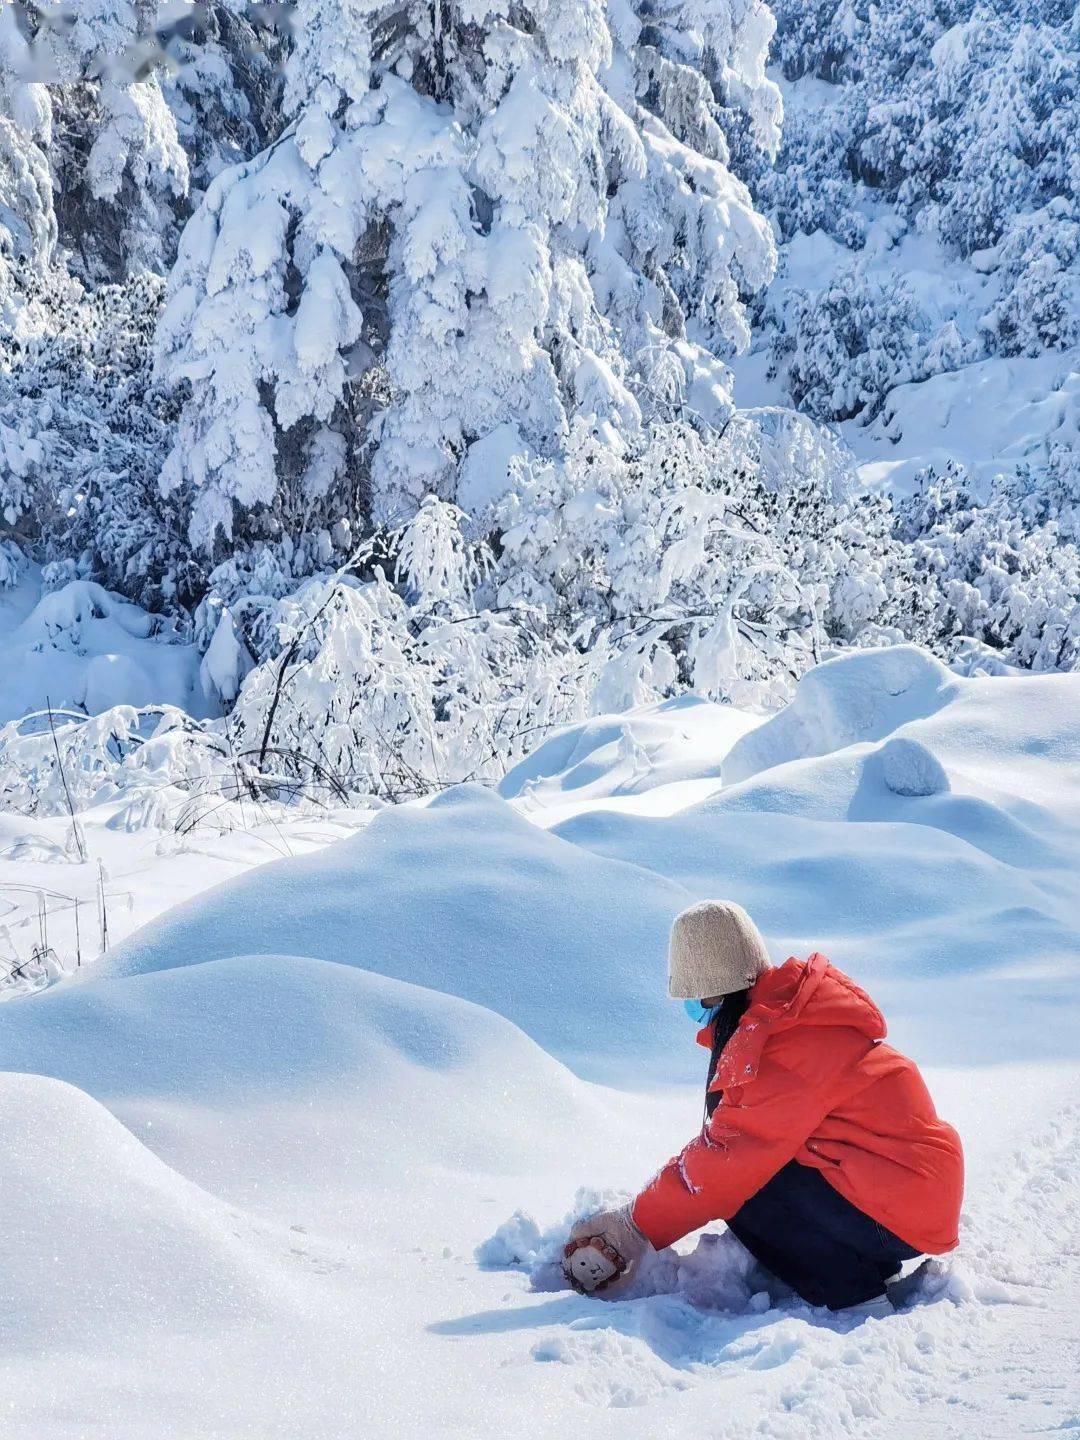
x: 247, y: 1157
x: 53, y: 895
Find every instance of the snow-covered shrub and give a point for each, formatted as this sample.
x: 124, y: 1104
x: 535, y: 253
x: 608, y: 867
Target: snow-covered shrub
x: 52, y: 762
x: 985, y: 127
x: 364, y: 698
x: 815, y: 182
x: 1037, y: 266
x: 84, y: 431
x: 622, y: 574
x: 994, y: 570
x: 964, y: 111
x: 842, y: 348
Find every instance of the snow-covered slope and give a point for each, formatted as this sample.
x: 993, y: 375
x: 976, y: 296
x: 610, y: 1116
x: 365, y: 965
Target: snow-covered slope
x: 261, y: 1140
x: 926, y: 293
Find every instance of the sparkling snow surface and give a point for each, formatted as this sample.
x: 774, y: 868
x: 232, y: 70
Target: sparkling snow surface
x: 248, y: 1157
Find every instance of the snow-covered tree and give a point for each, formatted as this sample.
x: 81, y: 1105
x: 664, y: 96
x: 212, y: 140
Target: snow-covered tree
x: 93, y: 184
x: 436, y: 445
x: 222, y: 82
x: 119, y: 170
x: 27, y: 214
x: 84, y: 431
x: 479, y: 220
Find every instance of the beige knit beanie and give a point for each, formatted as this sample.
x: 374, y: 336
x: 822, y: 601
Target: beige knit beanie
x: 715, y: 948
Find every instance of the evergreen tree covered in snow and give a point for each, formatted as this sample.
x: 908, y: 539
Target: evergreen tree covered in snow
x: 94, y: 182
x: 120, y: 173
x: 480, y: 224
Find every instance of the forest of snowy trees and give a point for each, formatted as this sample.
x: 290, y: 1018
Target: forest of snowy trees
x: 385, y: 352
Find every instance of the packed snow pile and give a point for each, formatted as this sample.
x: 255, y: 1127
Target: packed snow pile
x: 275, y: 1135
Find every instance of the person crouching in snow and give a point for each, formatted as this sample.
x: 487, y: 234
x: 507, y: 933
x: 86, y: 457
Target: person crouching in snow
x: 820, y: 1147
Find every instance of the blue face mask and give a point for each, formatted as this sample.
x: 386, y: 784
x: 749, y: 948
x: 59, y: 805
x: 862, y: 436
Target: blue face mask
x: 699, y: 1013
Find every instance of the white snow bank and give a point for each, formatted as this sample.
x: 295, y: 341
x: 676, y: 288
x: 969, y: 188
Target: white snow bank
x: 859, y: 696
x: 466, y: 896
x: 147, y: 864
x: 908, y: 822
x: 81, y: 647
x: 103, y: 1238
x: 401, y: 1077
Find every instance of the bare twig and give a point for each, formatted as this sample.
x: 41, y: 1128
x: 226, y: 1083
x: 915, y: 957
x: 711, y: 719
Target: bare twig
x: 76, y: 828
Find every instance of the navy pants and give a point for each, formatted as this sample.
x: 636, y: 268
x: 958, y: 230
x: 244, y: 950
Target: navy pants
x: 817, y: 1242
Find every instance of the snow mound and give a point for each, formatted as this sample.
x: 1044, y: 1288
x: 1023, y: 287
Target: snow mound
x: 909, y: 768
x: 82, y: 647
x: 101, y: 1237
x: 863, y: 695
x: 298, y: 1230
x: 468, y: 897
x: 395, y: 1071
x: 909, y: 823
x: 678, y: 747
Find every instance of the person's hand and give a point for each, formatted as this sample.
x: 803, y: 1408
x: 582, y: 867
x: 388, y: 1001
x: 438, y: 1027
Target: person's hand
x: 591, y: 1268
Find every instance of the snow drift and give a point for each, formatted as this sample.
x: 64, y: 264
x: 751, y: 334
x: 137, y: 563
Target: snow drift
x: 400, y: 1078
x: 467, y: 896
x: 102, y: 1237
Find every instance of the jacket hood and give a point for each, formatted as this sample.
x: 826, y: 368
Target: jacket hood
x: 810, y: 993
x: 814, y: 992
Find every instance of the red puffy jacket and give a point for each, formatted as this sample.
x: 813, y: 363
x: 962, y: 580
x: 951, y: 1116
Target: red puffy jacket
x: 805, y: 1077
